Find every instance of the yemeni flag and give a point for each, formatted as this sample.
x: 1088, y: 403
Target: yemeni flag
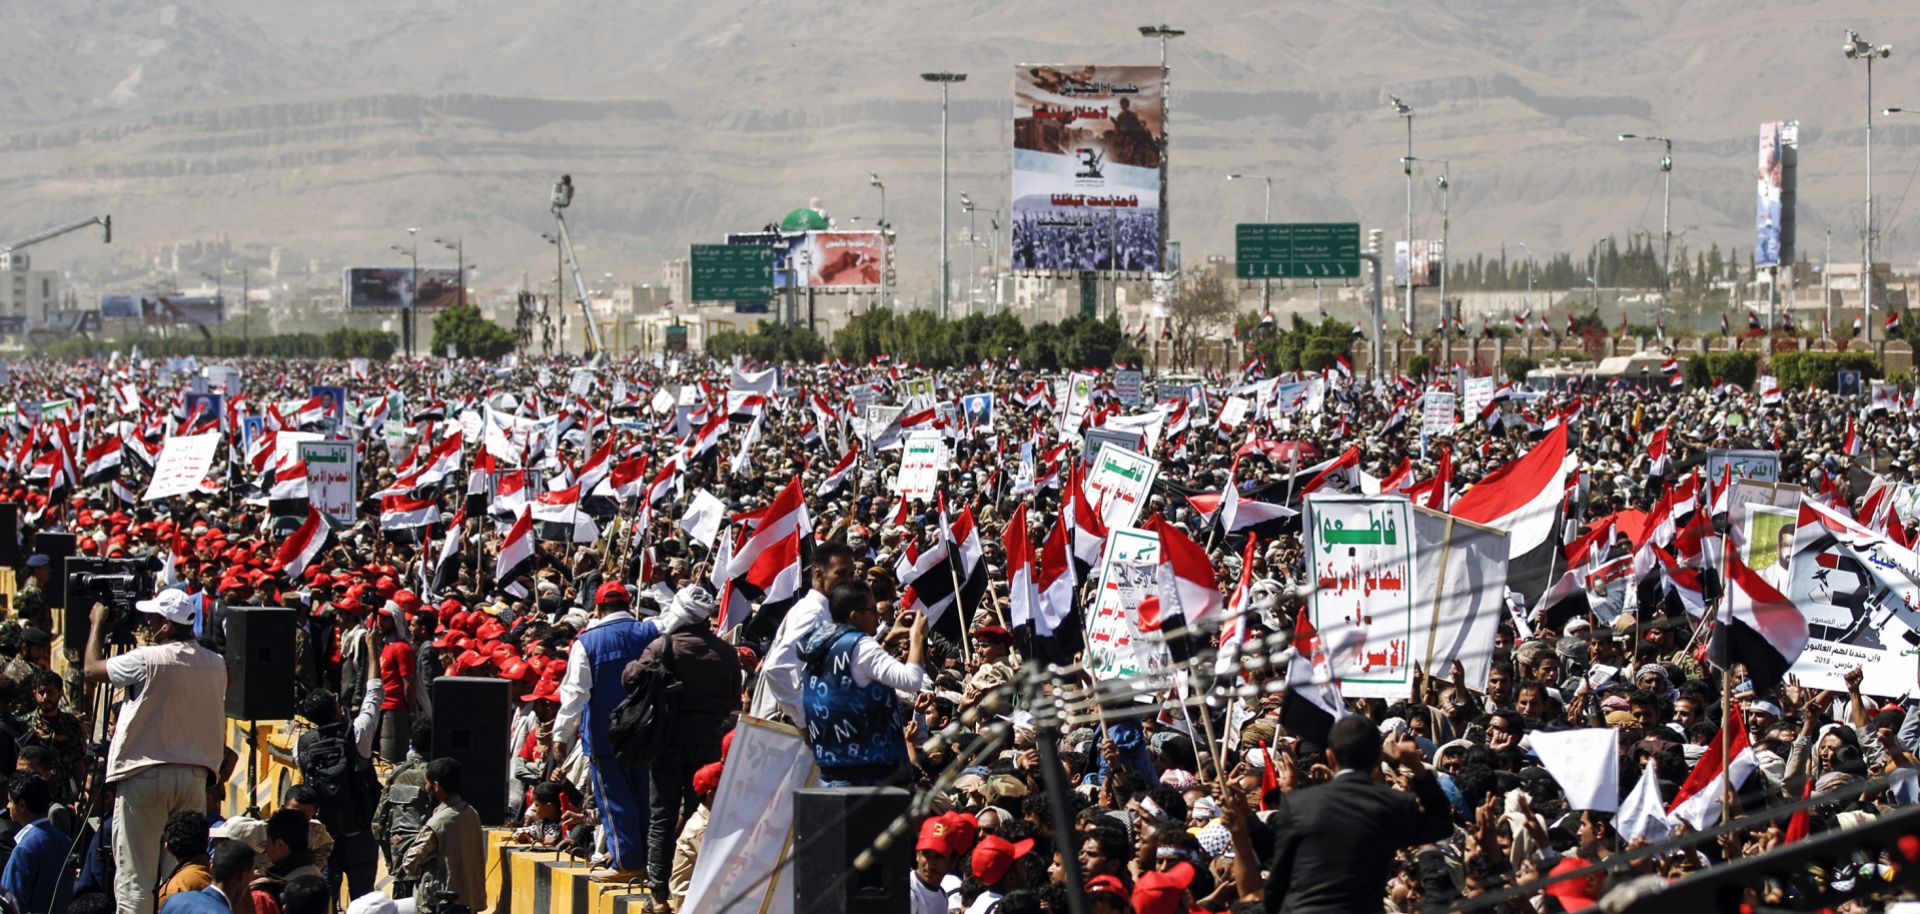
x: 1312, y: 702
x: 1056, y: 583
x: 842, y: 473
x: 289, y: 495
x: 408, y: 520
x: 1188, y: 574
x: 311, y: 413
x: 558, y: 517
x: 625, y: 481
x: 309, y: 541
x: 440, y: 462
x: 1523, y: 498
x: 1233, y: 626
x: 775, y: 582
x: 1762, y: 628
x: 516, y: 554
x: 1089, y: 528
x: 446, y: 568
x: 512, y: 494
x: 102, y: 461
x: 969, y: 563
x: 787, y: 513
x: 1257, y: 517
x: 706, y: 437
x: 1023, y: 574
x: 927, y: 576
x: 1698, y: 801
x: 1341, y: 474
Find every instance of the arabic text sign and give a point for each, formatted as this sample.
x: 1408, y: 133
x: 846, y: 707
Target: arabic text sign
x: 1761, y: 466
x: 1360, y: 550
x: 922, y: 458
x: 1436, y: 413
x: 332, y: 478
x: 1119, y: 483
x: 1126, y: 386
x: 1116, y: 647
x: 1854, y: 601
x: 1476, y: 393
x: 184, y: 461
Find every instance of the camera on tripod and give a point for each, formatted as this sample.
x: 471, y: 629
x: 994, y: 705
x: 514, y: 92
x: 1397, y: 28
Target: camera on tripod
x: 116, y: 583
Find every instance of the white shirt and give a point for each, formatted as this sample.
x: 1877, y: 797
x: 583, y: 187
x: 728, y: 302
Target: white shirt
x: 577, y: 684
x: 175, y: 717
x: 872, y: 663
x: 779, y: 686
x: 984, y: 903
x: 930, y: 900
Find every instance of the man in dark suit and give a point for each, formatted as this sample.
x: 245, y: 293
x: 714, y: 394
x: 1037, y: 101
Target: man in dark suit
x: 1332, y: 843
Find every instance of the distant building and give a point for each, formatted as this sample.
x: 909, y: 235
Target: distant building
x: 27, y: 293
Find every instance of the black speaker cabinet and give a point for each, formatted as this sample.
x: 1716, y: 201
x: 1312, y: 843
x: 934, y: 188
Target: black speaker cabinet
x: 260, y: 662
x: 832, y: 825
x: 470, y: 725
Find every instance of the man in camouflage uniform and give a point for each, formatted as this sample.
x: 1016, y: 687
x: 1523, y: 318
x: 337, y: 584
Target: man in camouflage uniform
x: 30, y: 604
x: 14, y: 667
x: 61, y: 733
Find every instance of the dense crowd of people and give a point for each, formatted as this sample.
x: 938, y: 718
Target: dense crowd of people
x: 714, y: 541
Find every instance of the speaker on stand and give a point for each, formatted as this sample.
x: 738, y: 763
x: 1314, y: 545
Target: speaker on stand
x: 260, y: 663
x: 471, y: 726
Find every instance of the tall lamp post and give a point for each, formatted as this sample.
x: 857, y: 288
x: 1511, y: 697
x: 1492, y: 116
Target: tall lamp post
x: 973, y: 244
x: 1666, y: 213
x: 412, y: 250
x: 1858, y: 48
x: 1448, y: 320
x: 1266, y: 215
x: 1527, y: 302
x: 1164, y: 33
x: 946, y: 81
x: 873, y: 181
x: 459, y: 248
x: 1406, y: 164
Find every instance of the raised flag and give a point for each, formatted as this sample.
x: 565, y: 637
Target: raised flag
x: 516, y: 554
x: 1761, y: 628
x: 406, y: 520
x: 309, y: 541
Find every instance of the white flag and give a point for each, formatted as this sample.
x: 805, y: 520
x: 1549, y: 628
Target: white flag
x: 1585, y: 762
x: 1643, y: 814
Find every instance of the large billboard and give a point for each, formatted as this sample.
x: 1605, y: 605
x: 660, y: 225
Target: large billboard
x: 1766, y: 217
x: 156, y: 308
x: 786, y: 246
x: 1086, y: 167
x: 844, y: 260
x: 393, y: 288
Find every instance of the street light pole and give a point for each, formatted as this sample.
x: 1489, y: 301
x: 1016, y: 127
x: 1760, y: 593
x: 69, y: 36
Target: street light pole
x: 1858, y: 48
x: 973, y: 244
x: 1666, y: 215
x: 459, y: 249
x: 946, y: 81
x: 1266, y: 215
x: 1164, y: 32
x: 1406, y: 111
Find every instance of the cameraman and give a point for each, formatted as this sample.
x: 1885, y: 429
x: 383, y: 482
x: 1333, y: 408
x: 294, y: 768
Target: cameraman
x: 169, y: 740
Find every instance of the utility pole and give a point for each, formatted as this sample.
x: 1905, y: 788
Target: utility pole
x: 1666, y: 214
x: 1266, y: 216
x: 1406, y: 164
x: 1164, y: 32
x: 946, y: 81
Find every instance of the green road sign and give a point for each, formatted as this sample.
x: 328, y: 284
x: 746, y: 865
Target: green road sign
x: 1296, y: 250
x: 732, y: 272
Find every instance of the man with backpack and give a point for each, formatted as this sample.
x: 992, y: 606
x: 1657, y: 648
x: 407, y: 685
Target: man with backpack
x: 703, y: 690
x: 592, y: 689
x: 336, y: 759
x: 405, y: 805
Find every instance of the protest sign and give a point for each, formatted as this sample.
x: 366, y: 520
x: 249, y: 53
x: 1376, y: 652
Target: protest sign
x: 184, y: 461
x: 750, y: 825
x: 1233, y: 413
x: 1098, y: 438
x: 1436, y: 413
x: 1079, y: 398
x: 1475, y: 394
x: 1126, y: 386
x: 1361, y: 561
x: 1117, y: 646
x: 1119, y: 483
x: 922, y: 457
x: 1460, y: 586
x: 1748, y: 494
x: 332, y: 478
x: 1760, y: 466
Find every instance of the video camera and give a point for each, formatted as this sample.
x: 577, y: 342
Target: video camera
x: 116, y: 583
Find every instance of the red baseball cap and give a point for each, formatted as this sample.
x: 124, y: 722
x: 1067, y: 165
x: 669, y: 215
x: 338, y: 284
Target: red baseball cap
x: 1107, y: 883
x: 707, y: 779
x: 1160, y: 892
x: 612, y: 592
x: 994, y: 855
x: 937, y: 835
x: 547, y: 690
x: 515, y: 670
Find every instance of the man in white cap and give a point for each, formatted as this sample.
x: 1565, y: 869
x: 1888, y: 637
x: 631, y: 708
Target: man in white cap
x: 170, y: 739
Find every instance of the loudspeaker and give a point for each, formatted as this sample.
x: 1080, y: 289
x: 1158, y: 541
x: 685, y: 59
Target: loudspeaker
x: 57, y: 545
x: 260, y: 662
x: 470, y: 725
x: 11, y: 554
x: 825, y: 847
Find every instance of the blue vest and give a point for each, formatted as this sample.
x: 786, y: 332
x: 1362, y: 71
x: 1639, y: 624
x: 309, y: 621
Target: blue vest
x: 855, y: 730
x: 610, y: 646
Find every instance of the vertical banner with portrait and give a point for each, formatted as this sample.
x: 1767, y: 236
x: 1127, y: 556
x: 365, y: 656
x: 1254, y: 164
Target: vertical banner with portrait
x: 1087, y: 142
x: 1766, y: 216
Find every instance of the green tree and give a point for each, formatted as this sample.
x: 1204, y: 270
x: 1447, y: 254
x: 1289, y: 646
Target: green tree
x: 463, y: 330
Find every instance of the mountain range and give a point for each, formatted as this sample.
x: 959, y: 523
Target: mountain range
x: 230, y: 128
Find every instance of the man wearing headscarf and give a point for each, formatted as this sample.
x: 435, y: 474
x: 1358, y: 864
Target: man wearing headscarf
x: 708, y: 672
